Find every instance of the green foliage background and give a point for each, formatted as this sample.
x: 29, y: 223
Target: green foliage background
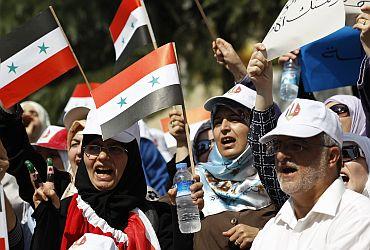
x: 86, y: 23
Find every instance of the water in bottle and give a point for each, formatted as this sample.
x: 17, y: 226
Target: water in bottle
x: 187, y: 212
x: 290, y: 80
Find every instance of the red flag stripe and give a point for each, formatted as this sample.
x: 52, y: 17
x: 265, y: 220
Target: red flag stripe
x: 81, y: 89
x: 2, y: 242
x: 39, y: 76
x: 158, y: 58
x: 120, y: 19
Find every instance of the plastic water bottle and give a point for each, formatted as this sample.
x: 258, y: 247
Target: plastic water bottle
x: 187, y: 212
x: 290, y: 80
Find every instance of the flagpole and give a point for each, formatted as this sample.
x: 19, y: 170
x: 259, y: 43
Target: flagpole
x: 151, y: 32
x: 73, y: 53
x: 187, y: 128
x: 211, y: 31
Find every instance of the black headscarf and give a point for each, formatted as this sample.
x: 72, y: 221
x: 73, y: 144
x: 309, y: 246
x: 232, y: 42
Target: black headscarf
x: 114, y: 205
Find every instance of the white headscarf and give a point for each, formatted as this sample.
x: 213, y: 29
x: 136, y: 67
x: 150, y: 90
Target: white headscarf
x: 42, y: 113
x: 364, y: 143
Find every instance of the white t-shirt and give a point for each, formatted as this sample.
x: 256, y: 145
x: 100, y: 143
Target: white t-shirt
x: 340, y: 219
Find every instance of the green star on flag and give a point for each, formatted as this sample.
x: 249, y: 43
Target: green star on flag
x: 12, y: 68
x: 154, y: 80
x: 123, y: 40
x: 43, y: 48
x: 122, y: 102
x: 133, y: 25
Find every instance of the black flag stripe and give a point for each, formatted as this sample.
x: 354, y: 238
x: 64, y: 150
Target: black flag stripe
x: 26, y: 34
x: 140, y: 38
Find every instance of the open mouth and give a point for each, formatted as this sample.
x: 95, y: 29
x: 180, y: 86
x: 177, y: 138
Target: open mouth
x: 101, y: 171
x: 227, y: 140
x: 26, y: 121
x: 345, y: 177
x: 288, y: 170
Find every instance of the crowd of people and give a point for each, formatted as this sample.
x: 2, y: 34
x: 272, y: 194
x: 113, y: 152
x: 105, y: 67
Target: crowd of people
x: 264, y: 179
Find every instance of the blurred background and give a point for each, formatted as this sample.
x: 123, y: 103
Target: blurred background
x: 86, y: 23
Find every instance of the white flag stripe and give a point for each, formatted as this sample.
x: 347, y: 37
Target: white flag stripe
x: 149, y: 230
x: 167, y: 76
x: 138, y: 18
x: 79, y: 102
x: 31, y: 56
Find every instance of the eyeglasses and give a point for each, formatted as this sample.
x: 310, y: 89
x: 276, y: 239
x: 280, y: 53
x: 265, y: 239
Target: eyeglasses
x: 203, y: 146
x: 340, y: 109
x: 351, y: 152
x: 93, y: 151
x: 292, y: 146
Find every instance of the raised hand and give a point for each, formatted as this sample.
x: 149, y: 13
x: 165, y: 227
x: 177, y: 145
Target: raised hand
x: 177, y: 127
x: 363, y: 25
x: 260, y: 72
x: 227, y: 56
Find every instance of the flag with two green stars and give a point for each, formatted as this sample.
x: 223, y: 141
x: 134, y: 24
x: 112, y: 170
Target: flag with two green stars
x: 32, y: 56
x: 145, y: 87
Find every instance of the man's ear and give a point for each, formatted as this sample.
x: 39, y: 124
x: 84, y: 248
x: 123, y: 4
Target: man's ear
x: 334, y: 156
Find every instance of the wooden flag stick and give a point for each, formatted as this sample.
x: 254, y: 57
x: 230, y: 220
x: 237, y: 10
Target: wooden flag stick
x: 73, y: 53
x: 187, y: 128
x: 211, y: 31
x: 151, y: 32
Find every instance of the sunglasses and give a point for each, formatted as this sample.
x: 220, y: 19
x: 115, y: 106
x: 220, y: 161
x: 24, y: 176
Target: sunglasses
x: 340, y: 109
x: 351, y: 152
x: 203, y: 146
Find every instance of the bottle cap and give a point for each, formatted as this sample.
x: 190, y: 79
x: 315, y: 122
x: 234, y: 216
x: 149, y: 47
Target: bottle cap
x: 49, y: 162
x: 29, y: 166
x: 181, y: 165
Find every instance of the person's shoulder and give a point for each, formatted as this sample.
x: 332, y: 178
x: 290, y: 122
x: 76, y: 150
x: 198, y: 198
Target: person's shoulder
x: 355, y: 202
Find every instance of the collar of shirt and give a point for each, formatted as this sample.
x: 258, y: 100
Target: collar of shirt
x: 327, y: 204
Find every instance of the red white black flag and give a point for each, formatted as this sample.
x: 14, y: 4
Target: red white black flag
x: 129, y: 30
x: 32, y: 56
x: 145, y: 87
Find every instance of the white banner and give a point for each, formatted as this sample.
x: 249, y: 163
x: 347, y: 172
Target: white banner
x: 3, y: 228
x: 302, y: 22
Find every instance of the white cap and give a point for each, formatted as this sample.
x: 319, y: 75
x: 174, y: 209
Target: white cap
x: 93, y: 128
x: 239, y: 94
x: 90, y: 241
x: 306, y: 118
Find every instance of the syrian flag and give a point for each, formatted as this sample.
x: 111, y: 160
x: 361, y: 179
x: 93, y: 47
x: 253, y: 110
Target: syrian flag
x: 147, y: 86
x: 129, y: 30
x: 32, y: 56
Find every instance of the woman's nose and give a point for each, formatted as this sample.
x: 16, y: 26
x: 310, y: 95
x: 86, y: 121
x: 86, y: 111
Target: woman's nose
x: 225, y: 126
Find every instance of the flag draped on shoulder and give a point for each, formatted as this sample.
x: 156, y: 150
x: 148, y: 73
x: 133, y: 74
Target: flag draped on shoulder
x: 129, y: 30
x: 149, y: 85
x: 32, y: 56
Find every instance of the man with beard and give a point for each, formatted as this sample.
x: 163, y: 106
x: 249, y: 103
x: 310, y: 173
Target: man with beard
x: 320, y: 213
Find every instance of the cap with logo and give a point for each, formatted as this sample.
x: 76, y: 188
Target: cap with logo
x: 53, y: 137
x: 306, y: 118
x: 239, y: 94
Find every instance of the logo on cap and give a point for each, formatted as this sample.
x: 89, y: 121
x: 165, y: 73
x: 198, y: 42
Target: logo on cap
x: 293, y: 111
x: 235, y: 90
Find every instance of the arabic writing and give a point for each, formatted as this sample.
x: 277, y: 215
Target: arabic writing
x: 295, y: 9
x: 352, y: 3
x: 332, y: 52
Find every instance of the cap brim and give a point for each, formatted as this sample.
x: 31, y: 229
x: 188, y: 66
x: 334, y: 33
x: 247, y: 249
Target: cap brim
x: 211, y: 102
x: 300, y: 131
x: 78, y: 113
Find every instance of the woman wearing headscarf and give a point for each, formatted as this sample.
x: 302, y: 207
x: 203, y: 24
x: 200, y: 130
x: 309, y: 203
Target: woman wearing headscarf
x: 110, y: 205
x: 350, y: 112
x: 236, y: 202
x: 35, y: 119
x: 356, y: 167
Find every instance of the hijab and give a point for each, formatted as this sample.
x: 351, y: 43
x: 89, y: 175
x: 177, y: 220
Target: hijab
x: 114, y: 205
x: 231, y: 184
x: 356, y: 112
x: 364, y: 143
x: 42, y: 113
